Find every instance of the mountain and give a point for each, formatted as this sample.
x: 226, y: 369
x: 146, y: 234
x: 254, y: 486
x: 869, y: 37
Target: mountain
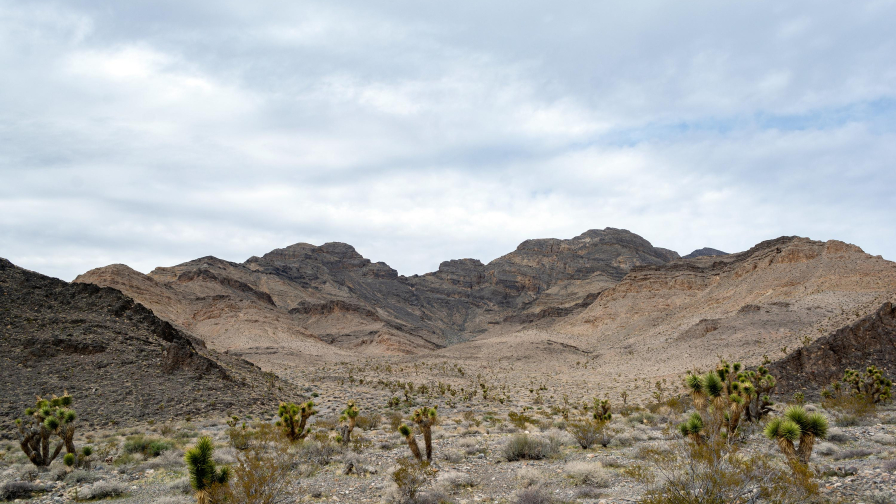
x: 606, y: 296
x: 870, y: 341
x: 662, y: 320
x: 315, y: 300
x: 705, y: 252
x: 120, y: 362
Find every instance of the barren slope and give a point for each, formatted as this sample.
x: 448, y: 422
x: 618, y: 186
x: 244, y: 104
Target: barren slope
x: 120, y: 362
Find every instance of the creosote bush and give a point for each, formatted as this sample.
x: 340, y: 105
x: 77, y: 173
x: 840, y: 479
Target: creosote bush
x: 526, y: 447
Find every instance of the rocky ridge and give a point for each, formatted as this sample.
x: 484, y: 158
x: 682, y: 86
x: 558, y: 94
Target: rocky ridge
x: 870, y: 341
x: 304, y: 296
x: 119, y: 361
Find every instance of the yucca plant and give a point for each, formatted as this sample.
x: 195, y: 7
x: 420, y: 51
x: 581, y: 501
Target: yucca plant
x: 784, y: 432
x: 48, y: 418
x: 872, y: 386
x: 348, y: 417
x: 426, y: 417
x: 203, y: 473
x: 693, y: 428
x: 812, y: 426
x: 408, y: 434
x: 602, y: 410
x: 293, y: 419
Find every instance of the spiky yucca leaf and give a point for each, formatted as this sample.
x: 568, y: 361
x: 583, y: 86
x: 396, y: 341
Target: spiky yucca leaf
x: 713, y: 385
x: 694, y: 383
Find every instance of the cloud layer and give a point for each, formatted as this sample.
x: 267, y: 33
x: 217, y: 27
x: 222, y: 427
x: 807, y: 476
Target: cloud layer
x: 151, y: 133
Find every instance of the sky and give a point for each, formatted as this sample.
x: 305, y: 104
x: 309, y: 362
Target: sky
x: 152, y: 133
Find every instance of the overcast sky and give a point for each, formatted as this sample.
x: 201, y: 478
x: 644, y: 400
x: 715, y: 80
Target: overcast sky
x: 152, y: 133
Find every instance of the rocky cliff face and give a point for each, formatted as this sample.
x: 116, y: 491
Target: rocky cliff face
x: 117, y: 358
x: 870, y: 341
x: 304, y: 296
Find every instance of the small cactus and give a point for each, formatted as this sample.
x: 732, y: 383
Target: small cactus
x: 293, y: 419
x: 203, y: 473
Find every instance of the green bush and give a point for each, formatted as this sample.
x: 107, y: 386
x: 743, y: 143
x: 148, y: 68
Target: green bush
x: 526, y: 447
x: 149, y: 447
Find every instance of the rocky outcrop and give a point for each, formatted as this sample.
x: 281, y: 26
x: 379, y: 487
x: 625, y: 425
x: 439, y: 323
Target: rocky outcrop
x: 330, y: 293
x: 119, y: 361
x: 704, y: 252
x: 870, y: 341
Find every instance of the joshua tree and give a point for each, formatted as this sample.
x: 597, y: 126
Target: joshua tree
x: 408, y: 434
x: 203, y: 474
x: 348, y: 417
x: 812, y: 426
x: 873, y: 386
x: 602, y: 410
x: 86, y: 452
x: 293, y: 419
x: 693, y: 428
x: 727, y: 396
x: 785, y: 432
x: 426, y: 417
x: 46, y: 419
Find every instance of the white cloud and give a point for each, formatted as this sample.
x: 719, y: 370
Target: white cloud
x: 420, y: 133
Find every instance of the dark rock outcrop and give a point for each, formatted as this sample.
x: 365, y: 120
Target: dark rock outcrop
x: 119, y: 361
x: 869, y: 341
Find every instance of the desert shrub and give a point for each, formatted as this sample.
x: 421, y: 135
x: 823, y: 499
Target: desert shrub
x: 837, y: 436
x: 238, y: 433
x: 262, y: 471
x: 80, y: 476
x: 148, y: 446
x: 519, y: 419
x: 368, y: 422
x: 102, y: 490
x: 394, y: 420
x: 169, y: 459
x: 694, y: 472
x: 526, y: 447
x: 319, y: 453
x: 589, y: 432
x: 452, y: 481
x: 529, y: 477
x: 587, y: 473
x: 826, y: 449
x: 890, y: 466
x: 180, y: 486
x: 409, y: 478
x: 853, y: 453
x: 533, y: 496
x: 12, y: 490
